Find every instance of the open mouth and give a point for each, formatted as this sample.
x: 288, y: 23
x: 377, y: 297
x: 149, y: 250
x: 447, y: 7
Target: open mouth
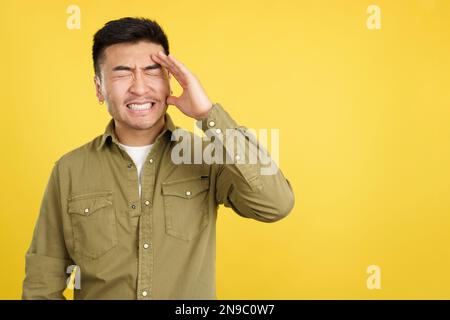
x: 140, y: 106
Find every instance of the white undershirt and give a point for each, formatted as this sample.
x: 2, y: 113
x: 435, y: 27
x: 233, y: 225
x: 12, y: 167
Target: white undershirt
x: 138, y: 154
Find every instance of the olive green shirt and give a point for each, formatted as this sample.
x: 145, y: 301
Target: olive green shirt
x: 160, y: 245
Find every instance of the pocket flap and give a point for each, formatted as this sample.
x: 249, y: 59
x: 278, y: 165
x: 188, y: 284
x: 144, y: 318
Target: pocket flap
x: 88, y: 206
x: 185, y: 188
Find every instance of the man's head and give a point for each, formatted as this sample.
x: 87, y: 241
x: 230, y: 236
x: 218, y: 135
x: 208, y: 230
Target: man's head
x: 133, y: 86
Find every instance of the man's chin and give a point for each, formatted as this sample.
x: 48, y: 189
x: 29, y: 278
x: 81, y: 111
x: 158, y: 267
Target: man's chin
x: 144, y: 124
x: 141, y: 125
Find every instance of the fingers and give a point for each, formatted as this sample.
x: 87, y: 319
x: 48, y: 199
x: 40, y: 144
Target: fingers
x: 164, y: 59
x: 179, y: 74
x: 178, y: 64
x: 159, y: 60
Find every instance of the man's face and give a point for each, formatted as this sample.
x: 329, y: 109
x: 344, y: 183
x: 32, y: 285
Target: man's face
x: 134, y: 87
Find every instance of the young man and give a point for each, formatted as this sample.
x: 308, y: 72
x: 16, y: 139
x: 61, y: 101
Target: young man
x: 137, y: 222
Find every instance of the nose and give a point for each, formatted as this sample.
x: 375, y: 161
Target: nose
x: 138, y: 86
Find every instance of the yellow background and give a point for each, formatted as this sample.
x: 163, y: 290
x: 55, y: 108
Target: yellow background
x: 364, y: 131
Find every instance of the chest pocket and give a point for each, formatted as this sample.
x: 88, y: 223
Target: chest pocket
x: 186, y: 207
x: 94, y: 223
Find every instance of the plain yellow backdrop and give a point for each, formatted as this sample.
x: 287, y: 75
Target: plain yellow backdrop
x: 364, y: 133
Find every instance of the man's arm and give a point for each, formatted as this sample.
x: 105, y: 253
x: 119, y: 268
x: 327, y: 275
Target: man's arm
x: 47, y: 259
x: 242, y: 186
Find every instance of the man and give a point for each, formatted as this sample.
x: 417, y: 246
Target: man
x: 136, y: 223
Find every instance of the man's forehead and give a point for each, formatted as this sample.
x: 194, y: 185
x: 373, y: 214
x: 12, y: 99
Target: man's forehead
x: 131, y: 53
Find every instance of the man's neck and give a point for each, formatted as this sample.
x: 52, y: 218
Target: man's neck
x: 135, y: 138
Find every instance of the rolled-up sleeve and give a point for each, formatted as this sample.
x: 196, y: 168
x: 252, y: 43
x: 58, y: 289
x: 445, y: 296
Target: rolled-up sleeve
x: 241, y: 183
x: 47, y: 259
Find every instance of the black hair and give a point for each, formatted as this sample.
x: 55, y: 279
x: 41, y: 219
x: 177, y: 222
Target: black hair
x: 126, y: 29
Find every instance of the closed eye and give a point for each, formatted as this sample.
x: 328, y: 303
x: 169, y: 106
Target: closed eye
x: 154, y: 72
x: 123, y: 75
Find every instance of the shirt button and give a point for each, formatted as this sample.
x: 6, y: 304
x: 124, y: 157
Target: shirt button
x: 133, y: 206
x: 188, y: 193
x: 218, y: 130
x: 146, y: 246
x: 144, y: 293
x: 237, y: 157
x: 212, y: 123
x: 147, y: 202
x: 129, y: 165
x: 151, y: 160
x: 86, y: 210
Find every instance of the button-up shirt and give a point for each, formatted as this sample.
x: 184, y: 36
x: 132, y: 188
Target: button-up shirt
x: 160, y: 245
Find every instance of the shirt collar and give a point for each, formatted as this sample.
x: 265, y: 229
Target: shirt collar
x: 110, y: 133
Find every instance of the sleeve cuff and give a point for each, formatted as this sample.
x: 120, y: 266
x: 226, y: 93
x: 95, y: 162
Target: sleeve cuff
x: 217, y: 118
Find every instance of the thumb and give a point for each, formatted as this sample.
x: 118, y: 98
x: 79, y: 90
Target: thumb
x: 173, y: 100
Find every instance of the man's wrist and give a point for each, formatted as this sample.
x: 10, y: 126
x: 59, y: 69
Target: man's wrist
x: 205, y: 114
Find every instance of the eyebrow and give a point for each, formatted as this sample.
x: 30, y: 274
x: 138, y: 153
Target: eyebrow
x: 125, y: 68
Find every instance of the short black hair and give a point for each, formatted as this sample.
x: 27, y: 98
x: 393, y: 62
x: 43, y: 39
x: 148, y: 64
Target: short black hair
x: 126, y: 29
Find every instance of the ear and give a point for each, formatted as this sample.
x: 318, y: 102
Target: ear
x: 98, y: 89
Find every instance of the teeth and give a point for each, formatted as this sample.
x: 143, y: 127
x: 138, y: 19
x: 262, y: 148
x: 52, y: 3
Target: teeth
x: 144, y: 106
